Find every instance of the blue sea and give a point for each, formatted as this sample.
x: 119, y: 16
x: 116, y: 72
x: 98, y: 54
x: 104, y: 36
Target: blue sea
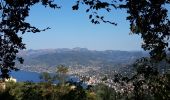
x: 23, y: 76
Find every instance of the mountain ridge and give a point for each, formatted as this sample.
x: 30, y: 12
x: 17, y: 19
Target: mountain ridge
x: 82, y: 56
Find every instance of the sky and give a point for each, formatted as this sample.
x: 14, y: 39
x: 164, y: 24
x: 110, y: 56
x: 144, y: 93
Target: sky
x: 70, y: 29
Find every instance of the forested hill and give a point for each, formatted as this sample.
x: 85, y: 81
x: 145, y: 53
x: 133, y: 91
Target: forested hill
x: 80, y: 56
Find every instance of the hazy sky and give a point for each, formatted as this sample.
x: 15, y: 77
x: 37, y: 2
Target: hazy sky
x: 71, y: 29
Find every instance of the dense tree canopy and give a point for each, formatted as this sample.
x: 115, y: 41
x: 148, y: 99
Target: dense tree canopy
x: 148, y: 18
x: 12, y: 25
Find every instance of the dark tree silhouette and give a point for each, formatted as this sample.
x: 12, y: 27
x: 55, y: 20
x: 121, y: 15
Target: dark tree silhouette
x: 12, y: 26
x: 148, y: 18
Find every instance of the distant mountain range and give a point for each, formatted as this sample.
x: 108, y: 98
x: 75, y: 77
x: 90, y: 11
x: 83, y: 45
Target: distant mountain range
x: 78, y: 56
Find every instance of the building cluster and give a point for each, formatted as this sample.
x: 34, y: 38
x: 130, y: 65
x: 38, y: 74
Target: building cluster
x: 121, y: 87
x: 90, y: 75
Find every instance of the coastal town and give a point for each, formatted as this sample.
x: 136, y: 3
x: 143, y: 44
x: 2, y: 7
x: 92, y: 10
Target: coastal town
x: 89, y: 75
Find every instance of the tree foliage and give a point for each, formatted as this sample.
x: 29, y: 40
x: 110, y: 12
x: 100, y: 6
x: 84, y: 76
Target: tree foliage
x: 62, y: 74
x: 147, y: 82
x: 12, y: 26
x: 148, y: 18
x: 38, y: 91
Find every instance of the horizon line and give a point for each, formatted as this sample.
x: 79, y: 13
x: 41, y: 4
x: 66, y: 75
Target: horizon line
x: 82, y: 48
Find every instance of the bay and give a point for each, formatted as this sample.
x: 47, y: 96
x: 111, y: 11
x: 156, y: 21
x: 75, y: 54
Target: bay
x: 23, y: 76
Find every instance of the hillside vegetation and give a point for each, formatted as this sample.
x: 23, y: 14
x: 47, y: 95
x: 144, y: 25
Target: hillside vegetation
x: 81, y: 56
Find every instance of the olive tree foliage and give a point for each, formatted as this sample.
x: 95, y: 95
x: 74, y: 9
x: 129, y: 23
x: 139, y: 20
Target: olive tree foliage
x: 12, y: 25
x: 148, y: 18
